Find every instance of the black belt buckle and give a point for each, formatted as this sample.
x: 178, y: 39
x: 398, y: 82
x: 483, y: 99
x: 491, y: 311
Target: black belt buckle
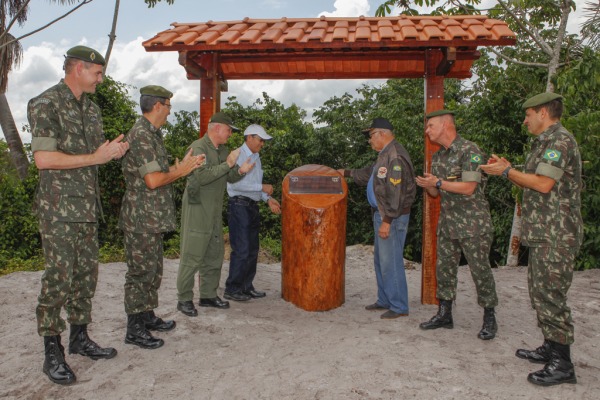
x: 246, y: 199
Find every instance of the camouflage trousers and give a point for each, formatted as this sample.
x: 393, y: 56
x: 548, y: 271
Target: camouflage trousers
x: 549, y: 277
x: 70, y: 276
x: 477, y: 252
x: 144, y: 253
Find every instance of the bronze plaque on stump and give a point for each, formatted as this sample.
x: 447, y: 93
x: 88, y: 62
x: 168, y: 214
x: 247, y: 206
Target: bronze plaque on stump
x: 316, y: 184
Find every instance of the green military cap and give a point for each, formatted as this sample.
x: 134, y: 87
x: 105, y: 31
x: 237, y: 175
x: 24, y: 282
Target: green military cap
x: 86, y: 54
x: 540, y: 99
x: 222, y: 118
x: 156, y: 91
x: 437, y: 113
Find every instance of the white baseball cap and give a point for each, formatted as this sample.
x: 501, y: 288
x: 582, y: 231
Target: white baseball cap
x: 257, y: 130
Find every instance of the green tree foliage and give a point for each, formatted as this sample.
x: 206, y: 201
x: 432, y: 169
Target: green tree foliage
x: 488, y: 112
x: 581, y: 85
x: 118, y: 116
x: 19, y: 237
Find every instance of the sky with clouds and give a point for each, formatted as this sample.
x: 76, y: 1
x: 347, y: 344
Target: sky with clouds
x: 131, y: 64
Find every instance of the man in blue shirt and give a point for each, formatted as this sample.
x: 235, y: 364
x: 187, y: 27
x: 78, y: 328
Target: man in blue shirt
x: 244, y: 218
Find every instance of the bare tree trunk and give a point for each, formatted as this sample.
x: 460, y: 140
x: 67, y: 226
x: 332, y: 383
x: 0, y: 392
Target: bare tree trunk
x: 13, y: 139
x: 553, y: 64
x: 512, y: 259
x: 112, y: 35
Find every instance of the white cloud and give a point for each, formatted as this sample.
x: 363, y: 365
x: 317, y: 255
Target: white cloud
x: 348, y: 8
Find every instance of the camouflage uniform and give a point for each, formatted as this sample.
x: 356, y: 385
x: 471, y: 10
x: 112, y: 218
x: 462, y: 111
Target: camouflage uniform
x: 464, y: 223
x: 67, y: 204
x: 202, y: 247
x: 553, y: 229
x: 145, y: 215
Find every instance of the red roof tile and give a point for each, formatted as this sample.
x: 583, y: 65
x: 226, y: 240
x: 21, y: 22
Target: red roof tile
x: 299, y: 47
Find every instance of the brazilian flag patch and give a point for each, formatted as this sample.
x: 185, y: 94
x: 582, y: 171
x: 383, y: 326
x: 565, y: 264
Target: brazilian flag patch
x: 552, y: 155
x: 397, y: 168
x: 476, y: 158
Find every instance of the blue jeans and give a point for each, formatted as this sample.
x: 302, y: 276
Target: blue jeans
x: 244, y: 225
x: 392, y: 290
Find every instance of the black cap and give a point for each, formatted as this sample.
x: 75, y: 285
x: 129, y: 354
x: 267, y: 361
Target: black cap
x: 378, y: 123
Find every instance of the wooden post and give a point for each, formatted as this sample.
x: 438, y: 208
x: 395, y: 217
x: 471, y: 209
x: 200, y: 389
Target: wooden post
x: 434, y: 100
x: 210, y: 92
x: 313, y: 244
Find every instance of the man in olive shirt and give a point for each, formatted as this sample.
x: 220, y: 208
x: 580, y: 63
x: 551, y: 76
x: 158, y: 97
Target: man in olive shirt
x: 68, y: 144
x: 202, y: 246
x: 147, y: 212
x: 552, y: 228
x: 464, y: 225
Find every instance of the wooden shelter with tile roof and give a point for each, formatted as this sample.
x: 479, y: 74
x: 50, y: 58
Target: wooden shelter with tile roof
x: 430, y: 47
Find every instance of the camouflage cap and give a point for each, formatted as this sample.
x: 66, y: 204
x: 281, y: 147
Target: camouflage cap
x: 222, y: 118
x: 437, y: 113
x: 540, y: 99
x: 86, y: 54
x: 156, y: 91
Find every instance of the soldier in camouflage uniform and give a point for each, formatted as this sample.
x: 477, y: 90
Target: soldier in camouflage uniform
x: 552, y: 229
x: 68, y: 144
x: 202, y: 247
x: 464, y: 223
x: 147, y: 212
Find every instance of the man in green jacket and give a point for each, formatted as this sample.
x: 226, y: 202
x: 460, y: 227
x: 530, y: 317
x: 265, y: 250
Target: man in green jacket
x: 202, y: 247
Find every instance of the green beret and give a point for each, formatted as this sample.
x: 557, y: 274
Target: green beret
x: 439, y: 112
x: 156, y: 91
x: 86, y: 54
x: 540, y: 99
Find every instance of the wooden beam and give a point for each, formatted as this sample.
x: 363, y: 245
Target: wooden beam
x: 448, y: 60
x: 434, y: 100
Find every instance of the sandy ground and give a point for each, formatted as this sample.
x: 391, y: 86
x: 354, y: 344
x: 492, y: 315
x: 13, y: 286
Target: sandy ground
x: 270, y: 349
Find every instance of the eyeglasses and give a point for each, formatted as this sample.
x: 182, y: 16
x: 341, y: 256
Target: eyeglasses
x: 259, y: 138
x: 167, y: 105
x: 373, y: 132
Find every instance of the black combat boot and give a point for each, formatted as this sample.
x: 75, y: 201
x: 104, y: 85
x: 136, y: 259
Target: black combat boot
x: 55, y: 365
x: 490, y: 327
x: 80, y: 343
x: 558, y: 370
x: 154, y: 323
x: 443, y: 318
x: 541, y: 355
x: 138, y: 334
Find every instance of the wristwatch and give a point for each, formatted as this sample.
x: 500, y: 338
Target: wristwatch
x: 438, y: 184
x: 505, y: 172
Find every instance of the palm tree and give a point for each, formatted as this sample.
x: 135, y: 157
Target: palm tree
x: 590, y: 29
x: 11, y: 54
